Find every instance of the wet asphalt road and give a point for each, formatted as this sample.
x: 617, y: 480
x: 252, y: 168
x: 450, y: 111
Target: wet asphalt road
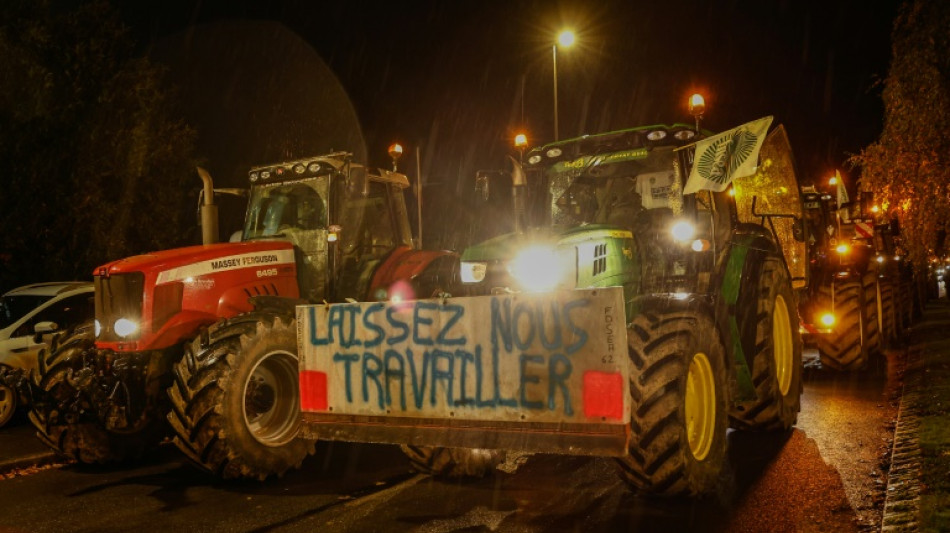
x: 826, y: 475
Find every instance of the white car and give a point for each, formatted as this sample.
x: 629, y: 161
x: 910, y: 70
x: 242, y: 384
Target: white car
x: 29, y: 316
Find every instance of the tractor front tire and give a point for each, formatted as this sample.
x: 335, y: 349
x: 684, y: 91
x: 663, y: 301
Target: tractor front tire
x: 678, y: 418
x: 63, y: 416
x: 453, y: 462
x: 844, y: 348
x: 776, y: 363
x: 235, y: 399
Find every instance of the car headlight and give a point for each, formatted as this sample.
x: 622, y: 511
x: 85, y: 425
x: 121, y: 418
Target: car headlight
x: 124, y: 327
x: 683, y: 231
x: 537, y: 268
x: 473, y: 271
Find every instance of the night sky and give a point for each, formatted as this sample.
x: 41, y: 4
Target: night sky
x: 460, y: 78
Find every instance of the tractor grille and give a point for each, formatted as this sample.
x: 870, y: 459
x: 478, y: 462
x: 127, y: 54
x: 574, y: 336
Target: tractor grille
x: 118, y: 296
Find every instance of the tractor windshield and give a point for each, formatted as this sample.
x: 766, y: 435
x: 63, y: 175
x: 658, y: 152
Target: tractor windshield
x: 611, y: 188
x: 277, y: 209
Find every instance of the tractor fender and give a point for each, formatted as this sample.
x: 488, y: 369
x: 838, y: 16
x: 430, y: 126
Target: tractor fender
x: 413, y: 274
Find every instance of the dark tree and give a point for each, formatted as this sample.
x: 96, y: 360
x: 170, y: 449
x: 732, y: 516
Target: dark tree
x: 95, y: 165
x: 908, y: 168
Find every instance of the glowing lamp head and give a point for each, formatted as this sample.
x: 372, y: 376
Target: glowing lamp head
x: 521, y: 140
x: 683, y: 231
x: 697, y: 104
x: 395, y: 150
x: 875, y: 209
x: 833, y: 180
x: 843, y: 249
x: 566, y: 38
x: 537, y: 268
x: 827, y: 319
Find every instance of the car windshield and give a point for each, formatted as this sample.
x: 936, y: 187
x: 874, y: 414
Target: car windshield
x: 13, y: 308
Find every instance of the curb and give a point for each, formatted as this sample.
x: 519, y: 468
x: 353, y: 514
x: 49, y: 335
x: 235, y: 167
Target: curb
x: 902, y: 499
x: 28, y: 461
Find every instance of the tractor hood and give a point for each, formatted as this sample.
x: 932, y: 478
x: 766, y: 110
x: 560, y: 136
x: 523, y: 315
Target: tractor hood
x: 508, y: 245
x: 205, y: 259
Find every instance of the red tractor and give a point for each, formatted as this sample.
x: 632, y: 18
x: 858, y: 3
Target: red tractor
x: 179, y: 335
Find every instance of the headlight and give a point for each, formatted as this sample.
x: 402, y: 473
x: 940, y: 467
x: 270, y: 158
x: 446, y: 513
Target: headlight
x: 537, y: 268
x: 124, y: 327
x: 98, y: 327
x: 827, y: 319
x: 473, y: 272
x: 683, y: 231
x: 843, y: 249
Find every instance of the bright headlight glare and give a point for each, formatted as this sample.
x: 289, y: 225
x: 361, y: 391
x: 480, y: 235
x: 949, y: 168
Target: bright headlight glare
x: 124, y: 327
x: 827, y: 319
x: 473, y: 272
x: 683, y: 231
x: 537, y: 269
x: 98, y: 327
x: 843, y: 249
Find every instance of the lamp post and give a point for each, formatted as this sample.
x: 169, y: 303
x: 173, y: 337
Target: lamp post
x: 697, y: 106
x: 565, y: 39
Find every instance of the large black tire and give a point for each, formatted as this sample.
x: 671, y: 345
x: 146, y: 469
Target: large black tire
x: 235, y: 399
x: 776, y: 363
x: 678, y: 419
x: 843, y: 348
x: 65, y: 418
x: 873, y: 339
x: 453, y: 462
x: 9, y: 399
x: 890, y: 316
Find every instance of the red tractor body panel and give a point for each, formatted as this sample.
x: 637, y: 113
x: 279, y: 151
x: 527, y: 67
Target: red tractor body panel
x: 186, y: 288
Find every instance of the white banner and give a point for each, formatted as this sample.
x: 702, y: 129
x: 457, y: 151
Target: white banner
x: 724, y: 157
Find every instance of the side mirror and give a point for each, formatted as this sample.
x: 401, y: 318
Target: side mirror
x: 45, y: 327
x: 798, y: 229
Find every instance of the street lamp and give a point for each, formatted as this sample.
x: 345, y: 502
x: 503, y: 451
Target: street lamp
x: 565, y: 39
x: 521, y: 141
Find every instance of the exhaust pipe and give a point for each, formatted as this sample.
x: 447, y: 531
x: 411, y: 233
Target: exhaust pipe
x: 209, y: 211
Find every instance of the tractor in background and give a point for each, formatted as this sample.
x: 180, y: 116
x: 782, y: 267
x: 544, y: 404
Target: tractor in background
x: 855, y: 303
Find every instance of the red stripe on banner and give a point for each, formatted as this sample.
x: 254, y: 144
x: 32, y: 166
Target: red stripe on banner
x: 313, y: 391
x: 603, y: 395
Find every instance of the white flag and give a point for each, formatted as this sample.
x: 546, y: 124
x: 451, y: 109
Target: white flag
x: 722, y: 158
x: 841, y: 189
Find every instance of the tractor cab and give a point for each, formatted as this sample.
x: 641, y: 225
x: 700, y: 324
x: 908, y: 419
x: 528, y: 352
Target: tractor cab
x: 342, y: 220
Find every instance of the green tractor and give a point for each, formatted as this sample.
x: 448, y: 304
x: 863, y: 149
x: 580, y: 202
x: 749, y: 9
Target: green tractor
x: 709, y: 279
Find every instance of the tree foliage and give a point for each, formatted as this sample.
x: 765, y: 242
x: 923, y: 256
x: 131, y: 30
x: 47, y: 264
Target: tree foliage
x: 908, y: 168
x: 94, y: 164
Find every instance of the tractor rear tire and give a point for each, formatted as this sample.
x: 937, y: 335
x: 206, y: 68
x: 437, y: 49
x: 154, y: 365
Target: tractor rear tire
x: 63, y: 416
x: 873, y: 339
x: 843, y: 349
x: 776, y: 364
x: 453, y: 462
x: 235, y: 399
x: 890, y: 316
x: 678, y: 418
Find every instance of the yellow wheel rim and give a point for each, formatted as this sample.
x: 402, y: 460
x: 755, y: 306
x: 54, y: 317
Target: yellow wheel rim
x: 782, y: 345
x: 700, y: 406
